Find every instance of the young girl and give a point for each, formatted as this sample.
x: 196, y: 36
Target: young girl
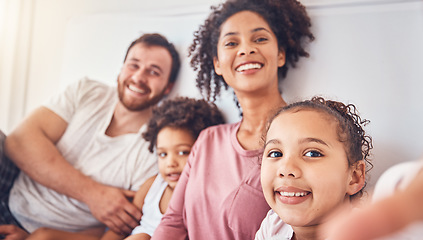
x: 247, y: 45
x: 314, y: 160
x: 172, y: 130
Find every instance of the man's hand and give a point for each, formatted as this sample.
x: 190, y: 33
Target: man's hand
x: 111, y: 206
x: 12, y: 232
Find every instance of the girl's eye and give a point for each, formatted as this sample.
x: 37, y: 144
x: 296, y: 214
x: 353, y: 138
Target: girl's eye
x: 162, y: 154
x: 274, y: 154
x: 313, y: 154
x: 183, y: 153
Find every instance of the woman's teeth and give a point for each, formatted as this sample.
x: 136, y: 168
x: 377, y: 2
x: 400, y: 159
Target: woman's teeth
x: 249, y: 66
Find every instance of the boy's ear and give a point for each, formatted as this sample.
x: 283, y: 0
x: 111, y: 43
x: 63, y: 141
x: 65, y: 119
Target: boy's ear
x: 216, y: 65
x: 357, y: 178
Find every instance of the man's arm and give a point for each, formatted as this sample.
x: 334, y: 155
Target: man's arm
x: 32, y: 147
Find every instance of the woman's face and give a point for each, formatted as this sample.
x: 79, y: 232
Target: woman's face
x: 305, y: 172
x: 247, y: 54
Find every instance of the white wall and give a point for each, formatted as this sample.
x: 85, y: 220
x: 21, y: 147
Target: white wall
x: 366, y: 52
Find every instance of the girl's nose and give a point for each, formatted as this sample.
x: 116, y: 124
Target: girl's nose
x: 289, y: 167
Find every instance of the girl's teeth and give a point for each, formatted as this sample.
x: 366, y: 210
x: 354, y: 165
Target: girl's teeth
x: 293, y: 194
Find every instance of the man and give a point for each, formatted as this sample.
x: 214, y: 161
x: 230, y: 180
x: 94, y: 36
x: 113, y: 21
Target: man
x: 81, y: 153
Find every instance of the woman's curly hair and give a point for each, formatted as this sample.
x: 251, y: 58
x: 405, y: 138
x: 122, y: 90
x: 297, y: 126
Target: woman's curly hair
x: 288, y: 19
x: 182, y: 113
x: 350, y: 129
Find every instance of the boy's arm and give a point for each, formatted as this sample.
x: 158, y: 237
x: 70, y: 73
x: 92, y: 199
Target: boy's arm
x: 138, y: 202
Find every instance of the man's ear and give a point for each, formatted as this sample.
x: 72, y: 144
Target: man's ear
x: 357, y: 177
x: 168, y: 88
x: 216, y: 65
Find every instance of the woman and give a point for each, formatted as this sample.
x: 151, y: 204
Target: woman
x: 246, y: 45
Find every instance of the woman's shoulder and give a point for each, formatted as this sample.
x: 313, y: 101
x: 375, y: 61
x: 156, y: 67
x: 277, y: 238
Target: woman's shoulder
x: 226, y: 128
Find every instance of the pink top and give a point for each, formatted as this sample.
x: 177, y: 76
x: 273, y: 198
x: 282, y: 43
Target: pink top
x: 219, y: 194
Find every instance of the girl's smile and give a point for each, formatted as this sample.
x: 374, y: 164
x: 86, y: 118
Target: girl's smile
x: 305, y: 171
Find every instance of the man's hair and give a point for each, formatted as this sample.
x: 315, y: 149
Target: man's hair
x: 155, y: 39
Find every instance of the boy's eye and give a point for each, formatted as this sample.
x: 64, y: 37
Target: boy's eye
x: 274, y: 154
x: 313, y: 154
x: 183, y: 153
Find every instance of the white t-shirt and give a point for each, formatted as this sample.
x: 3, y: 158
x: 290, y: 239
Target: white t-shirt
x: 151, y: 214
x: 123, y: 161
x: 273, y: 228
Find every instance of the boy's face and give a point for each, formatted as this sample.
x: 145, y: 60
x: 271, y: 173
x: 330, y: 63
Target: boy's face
x: 173, y: 148
x: 305, y: 172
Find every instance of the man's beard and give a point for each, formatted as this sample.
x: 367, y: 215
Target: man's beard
x: 142, y: 105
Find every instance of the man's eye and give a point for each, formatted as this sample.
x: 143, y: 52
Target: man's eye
x: 313, y: 154
x: 152, y: 72
x: 274, y: 154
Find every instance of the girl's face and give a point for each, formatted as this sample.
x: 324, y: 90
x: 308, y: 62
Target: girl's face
x: 247, y: 53
x: 305, y: 172
x: 173, y: 148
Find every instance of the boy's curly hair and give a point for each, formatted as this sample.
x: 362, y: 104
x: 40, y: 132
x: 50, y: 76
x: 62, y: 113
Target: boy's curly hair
x: 288, y: 19
x: 182, y: 113
x: 350, y: 129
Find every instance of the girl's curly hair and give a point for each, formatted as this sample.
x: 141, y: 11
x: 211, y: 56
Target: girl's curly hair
x: 288, y: 19
x: 350, y: 129
x: 182, y: 113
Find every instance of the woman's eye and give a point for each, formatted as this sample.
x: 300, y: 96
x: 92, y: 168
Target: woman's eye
x: 262, y: 39
x: 274, y: 154
x: 313, y: 154
x: 230, y: 44
x: 162, y: 154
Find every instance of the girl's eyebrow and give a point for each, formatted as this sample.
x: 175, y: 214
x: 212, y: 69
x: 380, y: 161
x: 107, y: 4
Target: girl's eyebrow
x: 272, y: 141
x: 316, y: 140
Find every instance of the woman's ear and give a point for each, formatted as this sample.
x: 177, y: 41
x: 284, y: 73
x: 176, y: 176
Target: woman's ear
x: 216, y: 65
x: 281, y: 58
x: 357, y: 177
